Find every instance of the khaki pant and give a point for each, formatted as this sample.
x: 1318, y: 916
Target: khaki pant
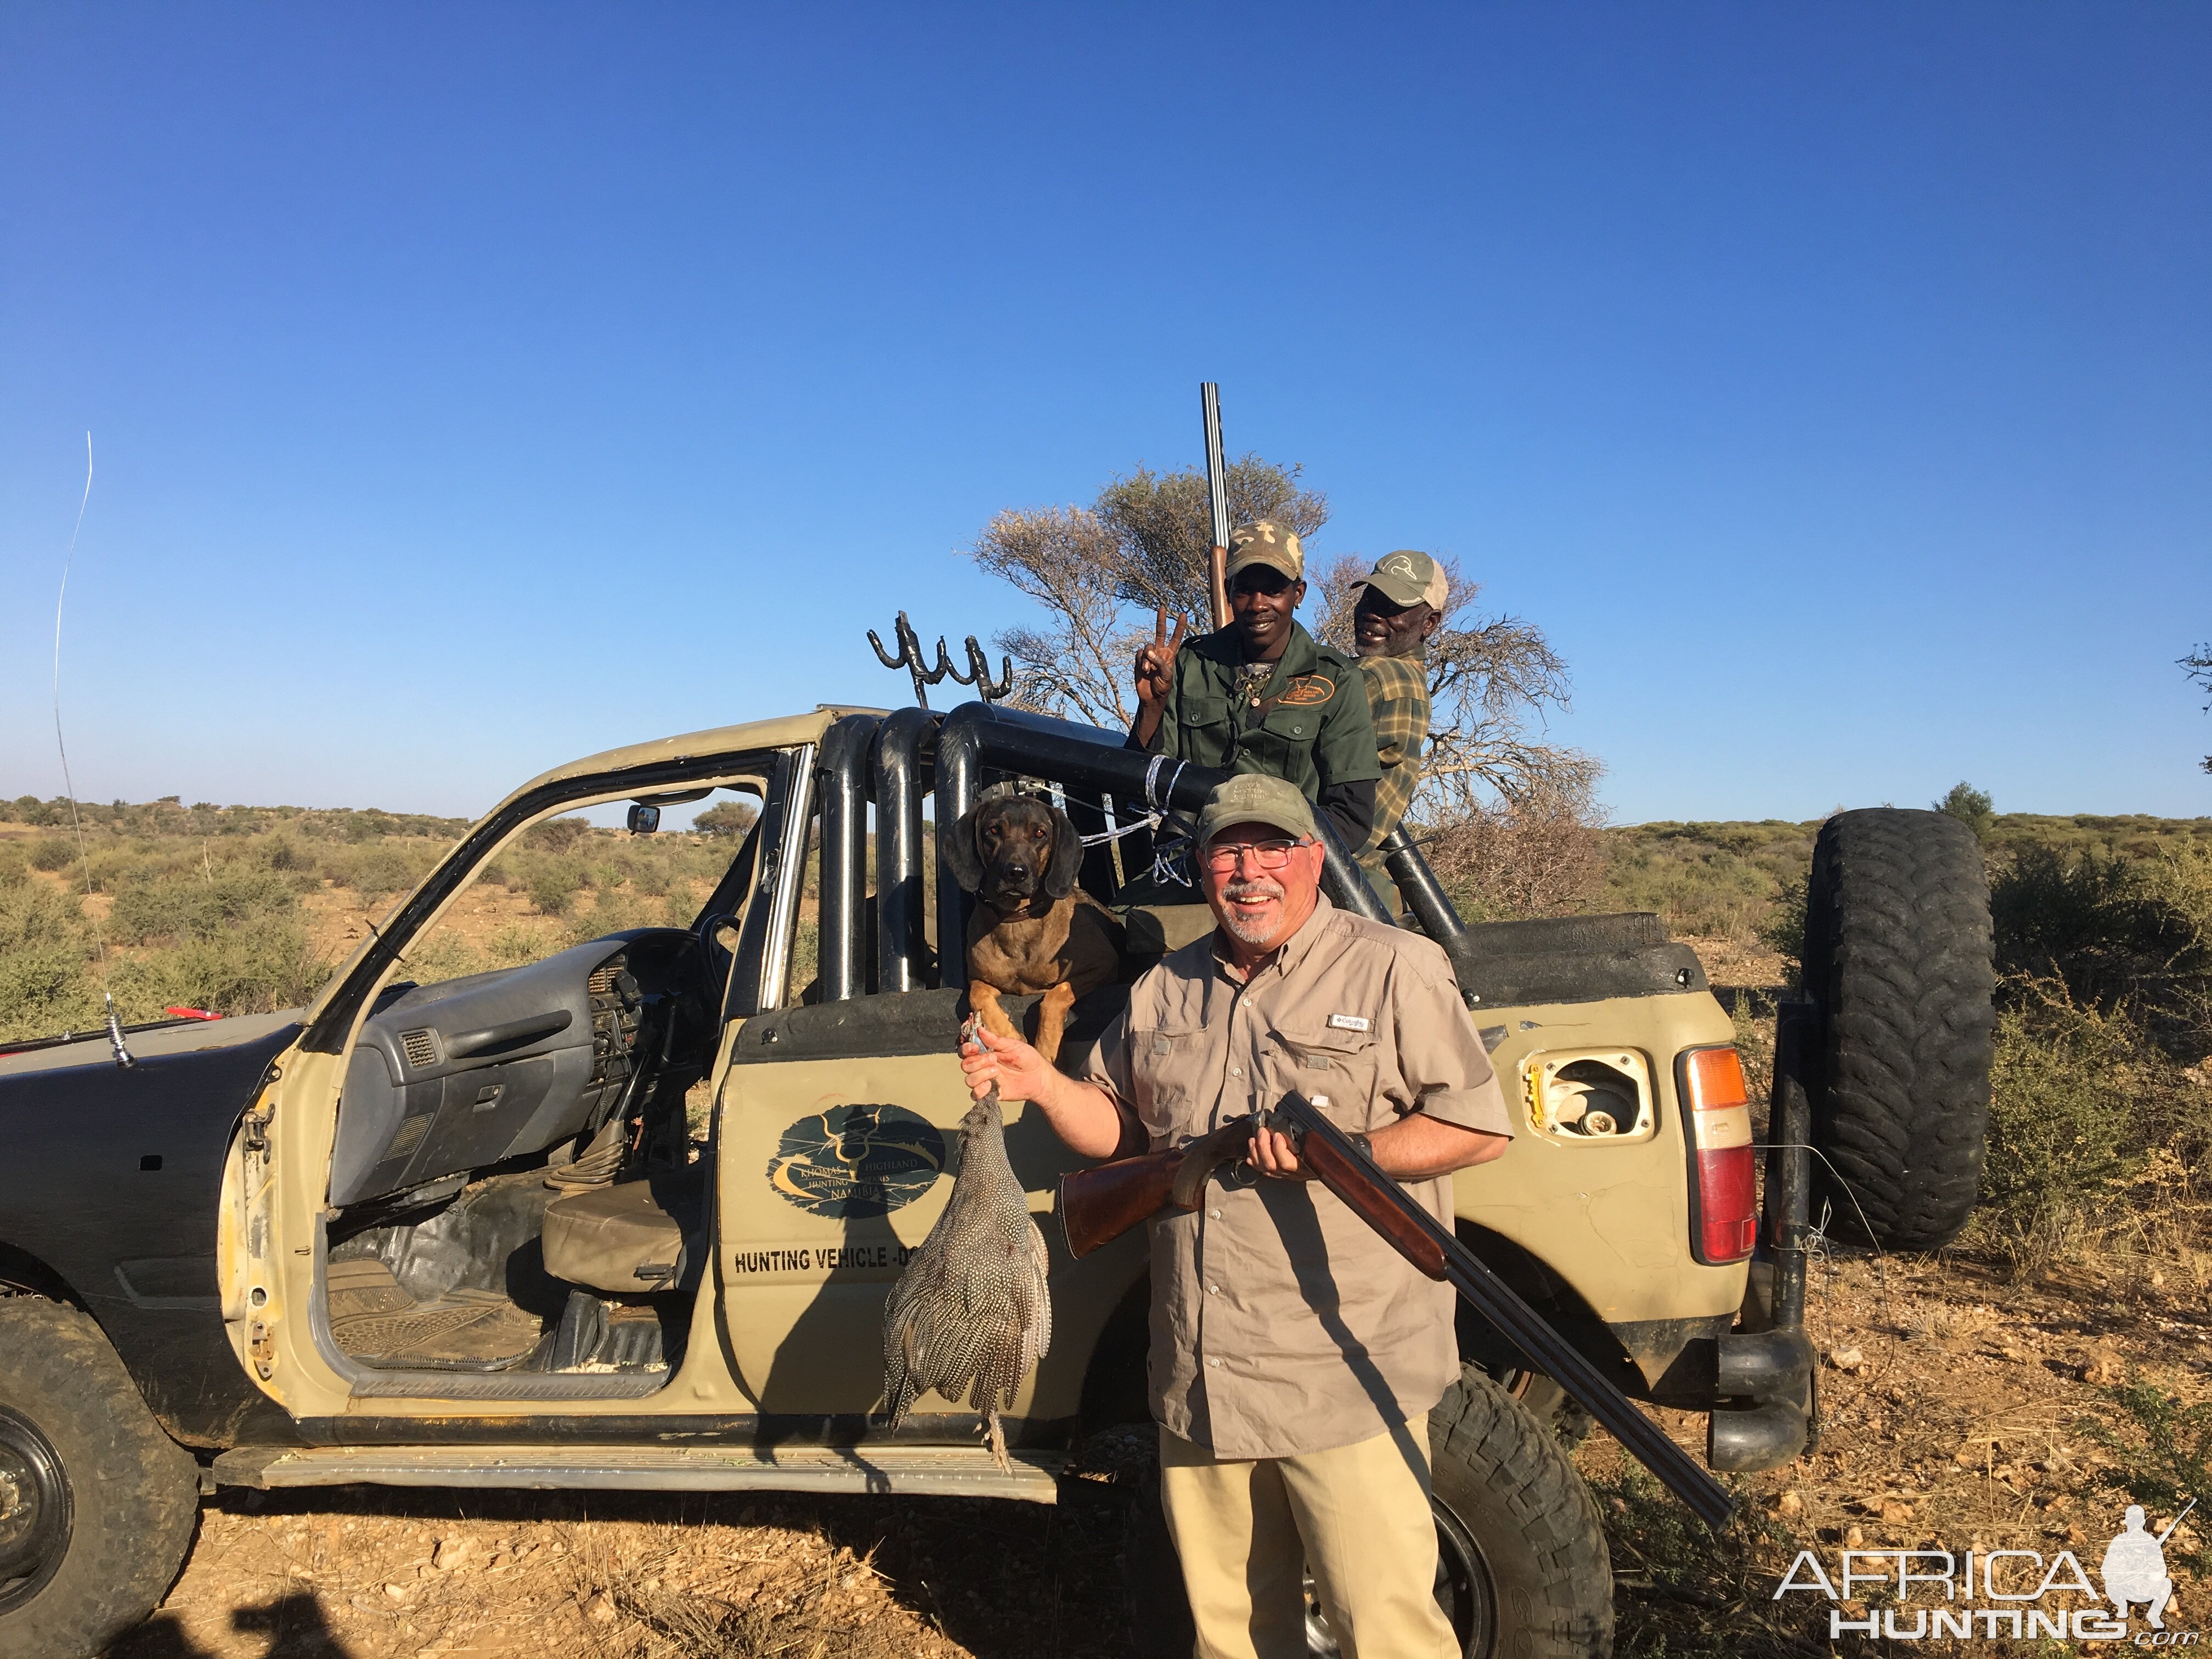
x: 1357, y: 1516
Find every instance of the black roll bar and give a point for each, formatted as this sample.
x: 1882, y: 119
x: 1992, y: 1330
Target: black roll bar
x: 841, y: 770
x: 903, y: 743
x: 1425, y: 898
x: 977, y: 735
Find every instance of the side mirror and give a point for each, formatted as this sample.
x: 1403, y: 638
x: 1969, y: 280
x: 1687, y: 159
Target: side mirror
x: 644, y: 818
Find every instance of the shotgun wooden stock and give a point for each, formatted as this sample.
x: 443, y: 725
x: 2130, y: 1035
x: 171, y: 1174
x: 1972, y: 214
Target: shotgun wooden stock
x: 1097, y: 1205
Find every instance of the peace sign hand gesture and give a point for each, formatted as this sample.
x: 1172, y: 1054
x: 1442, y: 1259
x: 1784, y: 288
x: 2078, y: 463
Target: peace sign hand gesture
x: 1155, y: 671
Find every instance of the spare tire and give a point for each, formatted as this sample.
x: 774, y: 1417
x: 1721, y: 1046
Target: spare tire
x: 1897, y: 958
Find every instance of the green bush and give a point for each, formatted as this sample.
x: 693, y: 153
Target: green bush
x: 556, y: 834
x: 45, y: 986
x: 188, y: 907
x: 554, y: 885
x: 254, y: 966
x: 282, y: 852
x: 2114, y: 928
x: 378, y: 870
x: 51, y: 853
x: 1971, y: 806
x: 1784, y: 930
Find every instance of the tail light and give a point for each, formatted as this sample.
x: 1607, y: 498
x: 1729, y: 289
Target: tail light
x: 1717, y: 1114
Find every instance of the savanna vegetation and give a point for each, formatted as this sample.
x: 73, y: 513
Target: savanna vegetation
x: 239, y: 910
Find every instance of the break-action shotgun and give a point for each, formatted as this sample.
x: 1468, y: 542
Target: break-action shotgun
x: 1098, y: 1204
x: 1216, y: 491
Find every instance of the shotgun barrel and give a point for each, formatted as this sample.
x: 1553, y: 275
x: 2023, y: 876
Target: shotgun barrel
x: 1216, y: 492
x: 1339, y: 1164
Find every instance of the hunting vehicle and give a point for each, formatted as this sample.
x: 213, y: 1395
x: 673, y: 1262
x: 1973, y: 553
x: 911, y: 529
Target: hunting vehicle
x: 466, y: 1234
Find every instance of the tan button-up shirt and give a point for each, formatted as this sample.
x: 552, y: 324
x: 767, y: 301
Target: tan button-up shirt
x: 1281, y: 1323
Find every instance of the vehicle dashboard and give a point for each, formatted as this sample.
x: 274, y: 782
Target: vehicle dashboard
x: 454, y: 1076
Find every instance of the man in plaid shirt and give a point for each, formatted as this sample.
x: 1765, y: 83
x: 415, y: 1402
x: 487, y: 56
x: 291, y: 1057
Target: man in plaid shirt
x: 1400, y: 605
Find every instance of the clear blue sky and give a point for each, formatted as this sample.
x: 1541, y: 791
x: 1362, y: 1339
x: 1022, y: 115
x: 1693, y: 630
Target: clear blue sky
x: 475, y: 388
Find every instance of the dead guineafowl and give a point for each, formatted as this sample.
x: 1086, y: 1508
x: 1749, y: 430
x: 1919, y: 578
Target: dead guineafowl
x: 970, y: 1314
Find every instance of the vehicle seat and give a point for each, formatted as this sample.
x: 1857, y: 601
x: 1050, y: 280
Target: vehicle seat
x: 631, y: 1238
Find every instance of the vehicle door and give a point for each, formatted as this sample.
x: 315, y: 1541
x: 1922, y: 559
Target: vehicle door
x: 838, y: 1142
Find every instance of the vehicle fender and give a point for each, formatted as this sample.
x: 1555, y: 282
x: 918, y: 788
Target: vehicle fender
x: 111, y: 1186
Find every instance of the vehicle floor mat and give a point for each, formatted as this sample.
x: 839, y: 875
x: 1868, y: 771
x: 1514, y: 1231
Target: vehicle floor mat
x: 372, y: 1318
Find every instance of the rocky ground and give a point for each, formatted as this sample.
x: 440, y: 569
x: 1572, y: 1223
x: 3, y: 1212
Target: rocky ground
x: 1963, y: 1409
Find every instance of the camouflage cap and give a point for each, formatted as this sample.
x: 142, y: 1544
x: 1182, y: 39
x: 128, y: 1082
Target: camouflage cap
x: 1255, y: 798
x: 1268, y: 543
x: 1408, y: 578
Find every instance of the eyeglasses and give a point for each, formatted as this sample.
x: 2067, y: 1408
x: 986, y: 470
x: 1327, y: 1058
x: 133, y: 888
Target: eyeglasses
x: 1225, y: 855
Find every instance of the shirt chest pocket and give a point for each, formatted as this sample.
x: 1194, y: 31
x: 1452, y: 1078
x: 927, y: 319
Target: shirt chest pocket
x: 1202, y: 711
x: 1165, y: 1062
x: 1330, y: 1061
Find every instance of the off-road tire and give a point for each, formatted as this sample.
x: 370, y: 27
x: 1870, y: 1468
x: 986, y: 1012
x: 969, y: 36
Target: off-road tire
x: 1541, y: 1584
x: 73, y: 1425
x: 1897, y: 958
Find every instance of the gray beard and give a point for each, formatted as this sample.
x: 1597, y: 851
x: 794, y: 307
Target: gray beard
x: 1250, y: 933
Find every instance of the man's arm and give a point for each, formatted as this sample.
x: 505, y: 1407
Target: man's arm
x: 1083, y: 1115
x: 1350, y: 809
x: 1417, y: 1147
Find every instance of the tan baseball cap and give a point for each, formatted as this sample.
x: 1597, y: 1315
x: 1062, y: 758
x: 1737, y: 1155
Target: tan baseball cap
x: 1254, y: 798
x: 1268, y: 543
x: 1408, y: 578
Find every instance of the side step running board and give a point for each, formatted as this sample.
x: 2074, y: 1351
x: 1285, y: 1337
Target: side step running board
x: 937, y: 1471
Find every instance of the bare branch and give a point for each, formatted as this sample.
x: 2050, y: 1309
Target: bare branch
x: 1067, y: 561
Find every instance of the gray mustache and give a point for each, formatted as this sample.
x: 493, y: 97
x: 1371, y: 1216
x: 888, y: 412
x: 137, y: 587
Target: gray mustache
x: 1258, y: 887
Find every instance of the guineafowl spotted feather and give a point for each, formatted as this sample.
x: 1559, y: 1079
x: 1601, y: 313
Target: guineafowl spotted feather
x: 971, y: 1313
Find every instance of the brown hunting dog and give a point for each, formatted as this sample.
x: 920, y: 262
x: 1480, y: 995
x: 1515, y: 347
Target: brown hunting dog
x: 1032, y: 931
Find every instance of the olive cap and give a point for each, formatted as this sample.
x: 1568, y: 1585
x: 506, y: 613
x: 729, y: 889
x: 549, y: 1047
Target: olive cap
x: 1266, y: 543
x: 1255, y: 798
x: 1408, y: 578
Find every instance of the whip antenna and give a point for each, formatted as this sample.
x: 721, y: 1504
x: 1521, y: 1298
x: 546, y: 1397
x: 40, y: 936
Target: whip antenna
x: 68, y: 785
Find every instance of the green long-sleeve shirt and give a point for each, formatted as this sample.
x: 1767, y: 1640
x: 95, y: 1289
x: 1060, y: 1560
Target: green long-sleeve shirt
x: 1306, y: 721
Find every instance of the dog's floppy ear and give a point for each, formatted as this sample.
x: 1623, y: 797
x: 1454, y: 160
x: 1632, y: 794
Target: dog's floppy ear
x: 957, y: 847
x: 1067, y: 857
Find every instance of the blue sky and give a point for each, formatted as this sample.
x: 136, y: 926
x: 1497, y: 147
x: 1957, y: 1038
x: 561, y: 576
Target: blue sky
x: 476, y: 387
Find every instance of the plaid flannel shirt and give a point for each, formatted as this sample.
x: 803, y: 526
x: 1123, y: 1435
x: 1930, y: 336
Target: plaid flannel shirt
x: 1398, y: 698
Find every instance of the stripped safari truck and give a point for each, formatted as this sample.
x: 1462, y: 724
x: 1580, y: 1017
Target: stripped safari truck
x: 465, y: 1234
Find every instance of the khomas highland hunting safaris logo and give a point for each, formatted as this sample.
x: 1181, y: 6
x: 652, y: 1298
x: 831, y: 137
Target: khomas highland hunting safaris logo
x: 1932, y: 1594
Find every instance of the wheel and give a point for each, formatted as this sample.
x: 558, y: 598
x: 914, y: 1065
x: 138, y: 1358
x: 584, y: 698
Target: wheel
x: 96, y: 1504
x: 1553, y: 1407
x: 1522, y: 1567
x: 1897, y: 958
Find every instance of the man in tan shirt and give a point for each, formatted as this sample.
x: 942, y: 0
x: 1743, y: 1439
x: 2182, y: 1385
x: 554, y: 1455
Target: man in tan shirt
x: 1295, y: 1355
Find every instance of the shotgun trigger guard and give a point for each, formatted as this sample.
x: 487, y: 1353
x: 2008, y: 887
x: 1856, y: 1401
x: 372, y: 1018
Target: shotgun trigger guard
x: 1204, y: 1155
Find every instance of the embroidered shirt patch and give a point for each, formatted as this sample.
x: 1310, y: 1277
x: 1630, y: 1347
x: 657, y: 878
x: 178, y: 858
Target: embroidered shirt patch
x: 1308, y: 691
x: 1349, y: 1021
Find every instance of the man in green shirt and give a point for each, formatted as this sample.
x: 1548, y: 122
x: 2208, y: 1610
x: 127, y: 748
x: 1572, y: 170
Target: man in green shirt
x: 1400, y: 608
x: 1261, y: 695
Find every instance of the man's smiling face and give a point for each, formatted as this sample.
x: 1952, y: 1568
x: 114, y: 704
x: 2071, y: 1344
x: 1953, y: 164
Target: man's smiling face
x: 1262, y: 600
x: 1260, y: 906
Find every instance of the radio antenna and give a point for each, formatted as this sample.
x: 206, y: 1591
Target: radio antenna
x: 76, y: 824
